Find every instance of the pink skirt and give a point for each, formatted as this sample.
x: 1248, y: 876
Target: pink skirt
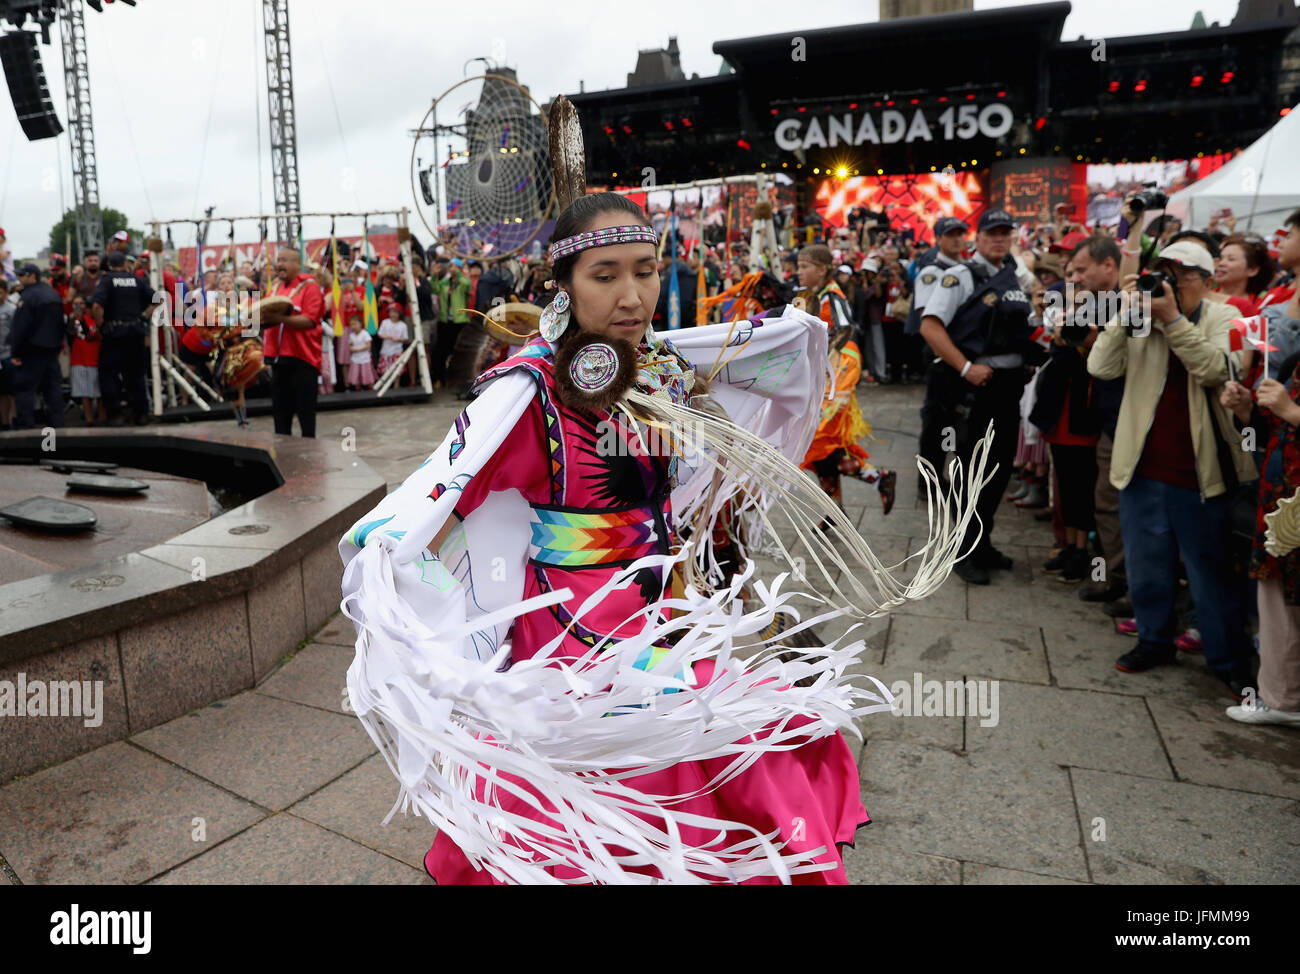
x: 386, y: 360
x: 361, y: 374
x: 342, y: 351
x: 1037, y: 452
x: 810, y: 795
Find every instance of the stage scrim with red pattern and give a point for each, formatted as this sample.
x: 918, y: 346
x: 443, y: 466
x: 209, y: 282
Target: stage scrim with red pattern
x: 914, y: 200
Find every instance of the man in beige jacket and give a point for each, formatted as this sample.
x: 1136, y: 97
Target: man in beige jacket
x: 1174, y: 497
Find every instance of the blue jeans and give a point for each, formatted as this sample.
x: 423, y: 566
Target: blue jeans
x: 1159, y: 522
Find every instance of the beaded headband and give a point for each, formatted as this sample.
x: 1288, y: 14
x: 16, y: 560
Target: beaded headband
x: 602, y: 238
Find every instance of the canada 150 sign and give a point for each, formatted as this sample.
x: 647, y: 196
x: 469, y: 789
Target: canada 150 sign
x: 954, y: 122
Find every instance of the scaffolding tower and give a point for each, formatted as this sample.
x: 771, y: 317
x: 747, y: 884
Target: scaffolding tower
x: 81, y: 127
x: 282, y: 118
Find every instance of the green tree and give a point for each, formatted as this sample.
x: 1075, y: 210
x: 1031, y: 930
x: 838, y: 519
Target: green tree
x: 66, y: 229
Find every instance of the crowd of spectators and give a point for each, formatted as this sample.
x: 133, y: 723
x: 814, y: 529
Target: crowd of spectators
x: 1153, y: 435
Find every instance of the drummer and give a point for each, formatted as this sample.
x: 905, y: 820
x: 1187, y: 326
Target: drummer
x: 292, y: 344
x: 200, y: 342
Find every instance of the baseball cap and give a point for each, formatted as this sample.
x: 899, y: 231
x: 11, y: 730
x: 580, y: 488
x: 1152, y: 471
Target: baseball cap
x: 116, y: 259
x: 845, y: 269
x: 28, y: 268
x: 870, y: 265
x: 947, y: 224
x: 1188, y: 254
x: 121, y: 235
x: 995, y: 218
x: 1067, y: 243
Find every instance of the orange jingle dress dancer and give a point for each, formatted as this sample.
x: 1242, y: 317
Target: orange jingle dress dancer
x: 835, y: 450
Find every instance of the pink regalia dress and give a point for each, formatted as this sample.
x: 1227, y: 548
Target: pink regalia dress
x: 542, y: 690
x: 594, y: 511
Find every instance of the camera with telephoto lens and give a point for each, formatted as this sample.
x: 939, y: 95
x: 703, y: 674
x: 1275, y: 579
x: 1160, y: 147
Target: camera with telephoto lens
x: 1151, y: 282
x: 1149, y: 198
x: 1149, y: 286
x: 1074, y: 332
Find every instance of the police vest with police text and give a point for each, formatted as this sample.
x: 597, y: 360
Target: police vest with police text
x: 127, y: 298
x: 995, y: 319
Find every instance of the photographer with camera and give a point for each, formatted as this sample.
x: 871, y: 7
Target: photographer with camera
x: 1172, y: 347
x: 1094, y: 275
x: 977, y: 323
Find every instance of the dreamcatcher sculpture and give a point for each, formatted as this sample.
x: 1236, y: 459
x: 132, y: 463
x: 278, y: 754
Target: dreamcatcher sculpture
x: 488, y: 192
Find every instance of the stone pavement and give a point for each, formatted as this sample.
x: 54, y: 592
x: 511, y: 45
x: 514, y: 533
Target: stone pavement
x: 1088, y: 776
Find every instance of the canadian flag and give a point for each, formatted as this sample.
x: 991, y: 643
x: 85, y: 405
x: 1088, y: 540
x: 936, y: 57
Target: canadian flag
x: 1254, y: 330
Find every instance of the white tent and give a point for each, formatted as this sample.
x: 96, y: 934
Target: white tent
x: 1261, y: 186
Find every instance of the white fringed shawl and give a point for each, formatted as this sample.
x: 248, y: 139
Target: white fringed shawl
x: 428, y: 681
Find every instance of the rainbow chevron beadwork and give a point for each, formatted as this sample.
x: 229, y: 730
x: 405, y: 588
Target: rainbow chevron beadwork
x: 569, y: 539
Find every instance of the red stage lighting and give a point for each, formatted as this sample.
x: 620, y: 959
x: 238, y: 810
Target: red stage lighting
x: 1113, y: 86
x: 1197, y: 79
x: 1227, y: 77
x: 741, y: 143
x: 668, y: 126
x: 1039, y: 123
x: 686, y: 122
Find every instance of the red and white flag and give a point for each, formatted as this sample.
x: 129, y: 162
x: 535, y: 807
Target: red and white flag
x: 1254, y: 330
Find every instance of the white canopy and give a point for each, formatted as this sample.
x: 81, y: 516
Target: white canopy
x: 1261, y: 186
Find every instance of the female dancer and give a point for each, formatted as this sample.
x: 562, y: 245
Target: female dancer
x: 523, y: 661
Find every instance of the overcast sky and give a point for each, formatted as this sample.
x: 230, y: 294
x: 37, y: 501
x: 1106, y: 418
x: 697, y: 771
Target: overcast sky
x: 179, y: 102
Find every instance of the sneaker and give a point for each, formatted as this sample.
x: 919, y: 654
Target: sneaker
x: 1127, y: 627
x: 1258, y: 712
x: 1189, y: 641
x: 971, y: 573
x: 1241, y: 688
x: 1103, y: 591
x: 1075, y: 569
x: 1145, y: 656
x: 1057, y: 562
x: 1019, y: 488
x: 1035, y: 497
x: 1121, y: 608
x: 886, y: 486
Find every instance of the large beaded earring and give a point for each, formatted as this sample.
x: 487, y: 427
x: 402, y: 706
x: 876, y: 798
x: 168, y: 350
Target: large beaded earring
x: 555, y: 317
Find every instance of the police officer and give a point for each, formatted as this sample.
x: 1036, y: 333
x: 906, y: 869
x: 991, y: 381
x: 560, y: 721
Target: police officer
x: 950, y: 241
x: 977, y: 323
x: 36, y: 337
x: 121, y: 303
